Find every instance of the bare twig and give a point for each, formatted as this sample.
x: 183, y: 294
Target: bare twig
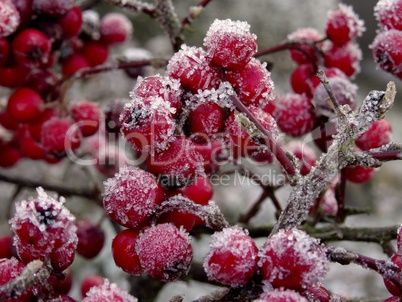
x: 194, y: 13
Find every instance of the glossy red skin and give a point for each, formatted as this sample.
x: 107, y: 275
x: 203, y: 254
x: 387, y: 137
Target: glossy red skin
x: 377, y: 135
x: 31, y: 48
x: 74, y: 63
x: 9, y: 156
x: 124, y: 254
x: 71, y: 22
x: 359, y: 174
x: 96, y: 53
x: 25, y: 105
x: 6, y: 246
x: 13, y: 75
x: 91, y: 238
x: 87, y: 112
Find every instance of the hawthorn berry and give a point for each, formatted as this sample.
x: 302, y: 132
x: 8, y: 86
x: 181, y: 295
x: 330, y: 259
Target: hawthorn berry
x: 90, y: 281
x: 124, y: 251
x: 108, y: 292
x: 73, y: 64
x: 395, y: 259
x: 115, y: 28
x: 35, y: 128
x: 9, y: 155
x: 31, y: 48
x: 71, y: 22
x: 303, y: 79
x: 44, y: 229
x: 281, y: 295
x: 61, y: 284
x: 4, y: 50
x: 178, y: 165
x: 164, y: 251
x: 232, y: 258
x: 194, y: 69
x: 95, y: 52
x: 6, y: 246
x: 252, y: 83
x: 131, y: 196
x: 294, y: 114
x: 343, y: 25
x: 305, y: 154
x: 230, y: 44
x: 389, y: 14
x: 45, y: 82
x: 346, y: 58
x: 91, y: 238
x: 304, y: 53
x: 179, y: 217
x: 25, y: 105
x: 31, y: 148
x: 359, y: 174
x: 9, y: 18
x: 13, y: 75
x: 88, y: 114
x: 200, y: 192
x: 292, y: 259
x: 387, y: 50
x: 378, y: 135
x: 52, y: 8
x: 112, y: 115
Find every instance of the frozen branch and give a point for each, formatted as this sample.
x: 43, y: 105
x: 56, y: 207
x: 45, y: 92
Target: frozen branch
x: 135, y: 6
x: 339, y: 155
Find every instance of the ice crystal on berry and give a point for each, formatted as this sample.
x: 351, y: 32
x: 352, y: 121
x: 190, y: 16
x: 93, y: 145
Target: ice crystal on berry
x: 108, y: 292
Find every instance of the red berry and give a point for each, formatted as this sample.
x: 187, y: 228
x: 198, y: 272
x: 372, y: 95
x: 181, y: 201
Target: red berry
x: 8, y: 122
x: 4, y: 50
x: 232, y: 258
x: 61, y: 298
x: 387, y: 50
x: 24, y: 8
x: 305, y: 154
x: 253, y: 83
x: 230, y: 44
x: 35, y: 128
x: 9, y: 156
x: 359, y: 174
x: 13, y: 75
x: 52, y: 8
x: 108, y: 292
x: 346, y: 58
x: 147, y: 124
x: 239, y: 140
x: 131, y: 196
x: 124, y: 253
x: 303, y: 80
x: 6, y: 246
x: 95, y: 52
x: 112, y: 115
x: 194, y: 69
x: 378, y: 135
x: 44, y: 229
x: 60, y: 135
x: 115, y: 28
x: 44, y: 81
x: 281, y: 295
x: 178, y: 217
x: 304, y: 53
x: 178, y: 165
x: 396, y: 259
x: 25, y: 105
x: 90, y: 281
x: 294, y: 114
x: 318, y: 293
x: 200, y: 192
x: 292, y: 259
x: 205, y: 120
x: 31, y: 148
x: 31, y: 48
x: 74, y: 63
x: 164, y: 251
x: 162, y: 86
x: 389, y: 14
x: 343, y: 25
x: 88, y: 115
x: 9, y: 18
x: 91, y: 238
x: 393, y: 299
x: 61, y: 284
x: 71, y: 22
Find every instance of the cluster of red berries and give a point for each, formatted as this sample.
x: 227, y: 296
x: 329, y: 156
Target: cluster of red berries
x: 42, y: 42
x: 388, y: 42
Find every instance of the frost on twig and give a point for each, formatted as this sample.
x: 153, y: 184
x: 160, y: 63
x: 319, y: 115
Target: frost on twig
x: 135, y: 5
x: 339, y: 155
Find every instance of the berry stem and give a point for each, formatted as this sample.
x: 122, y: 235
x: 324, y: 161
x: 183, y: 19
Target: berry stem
x: 270, y: 142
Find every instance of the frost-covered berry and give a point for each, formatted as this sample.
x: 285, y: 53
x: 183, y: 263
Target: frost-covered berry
x: 396, y: 259
x: 194, y: 69
x: 124, y: 253
x: 6, y: 246
x: 239, y: 141
x: 389, y: 14
x: 317, y: 293
x: 344, y: 91
x: 165, y: 251
x: 346, y: 58
x: 9, y: 18
x: 87, y: 115
x: 387, y: 50
x: 294, y: 114
x: 359, y: 174
x: 91, y: 238
x: 230, y: 44
x: 292, y: 259
x: 304, y: 53
x: 281, y: 295
x: 305, y: 154
x: 343, y: 25
x: 131, y: 196
x: 25, y: 105
x: 178, y: 165
x: 147, y: 124
x: 90, y: 281
x: 252, y: 83
x: 115, y: 28
x: 44, y: 229
x: 31, y: 48
x: 303, y: 79
x: 161, y: 86
x: 59, y: 135
x: 232, y: 258
x: 52, y: 8
x: 108, y: 292
x: 379, y: 134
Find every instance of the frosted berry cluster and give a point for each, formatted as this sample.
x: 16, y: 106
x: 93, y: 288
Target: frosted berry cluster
x: 42, y: 43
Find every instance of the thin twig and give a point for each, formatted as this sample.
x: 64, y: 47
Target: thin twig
x: 194, y: 13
